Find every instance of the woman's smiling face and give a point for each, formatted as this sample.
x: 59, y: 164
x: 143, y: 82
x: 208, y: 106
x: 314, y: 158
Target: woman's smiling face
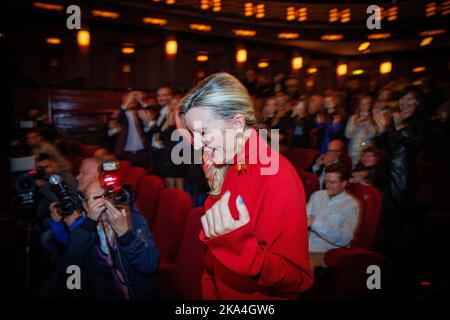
x: 214, y: 135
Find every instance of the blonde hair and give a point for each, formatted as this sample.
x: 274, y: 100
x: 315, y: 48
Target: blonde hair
x: 226, y: 97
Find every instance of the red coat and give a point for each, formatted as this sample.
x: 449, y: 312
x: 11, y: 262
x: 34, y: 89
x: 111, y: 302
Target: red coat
x: 268, y: 257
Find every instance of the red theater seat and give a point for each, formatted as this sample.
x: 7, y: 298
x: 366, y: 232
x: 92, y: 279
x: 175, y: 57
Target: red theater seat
x: 302, y: 158
x: 124, y: 164
x: 185, y: 275
x: 370, y: 199
x: 314, y: 136
x: 350, y: 264
x: 310, y: 181
x: 168, y: 227
x: 131, y: 176
x: 148, y: 192
x: 87, y: 150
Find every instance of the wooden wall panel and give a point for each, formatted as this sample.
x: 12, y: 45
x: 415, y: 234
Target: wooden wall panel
x: 79, y: 114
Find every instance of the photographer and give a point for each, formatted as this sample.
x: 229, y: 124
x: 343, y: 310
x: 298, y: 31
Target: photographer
x: 48, y: 167
x: 56, y: 236
x: 115, y: 250
x: 40, y: 146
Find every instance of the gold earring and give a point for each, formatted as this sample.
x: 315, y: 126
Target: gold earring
x: 240, y: 152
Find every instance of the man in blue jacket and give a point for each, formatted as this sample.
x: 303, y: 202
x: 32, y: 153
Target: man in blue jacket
x: 114, y: 249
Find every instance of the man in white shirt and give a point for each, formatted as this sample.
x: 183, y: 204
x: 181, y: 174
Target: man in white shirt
x: 164, y: 98
x: 131, y: 141
x: 333, y: 215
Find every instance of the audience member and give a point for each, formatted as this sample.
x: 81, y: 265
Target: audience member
x: 333, y: 215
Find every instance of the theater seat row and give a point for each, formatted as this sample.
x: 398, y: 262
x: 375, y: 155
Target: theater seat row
x: 175, y: 226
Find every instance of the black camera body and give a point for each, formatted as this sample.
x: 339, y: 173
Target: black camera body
x: 120, y: 197
x: 118, y: 194
x: 68, y: 202
x: 26, y: 187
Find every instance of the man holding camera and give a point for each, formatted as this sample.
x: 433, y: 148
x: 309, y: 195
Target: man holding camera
x: 59, y: 226
x: 114, y: 249
x: 47, y: 166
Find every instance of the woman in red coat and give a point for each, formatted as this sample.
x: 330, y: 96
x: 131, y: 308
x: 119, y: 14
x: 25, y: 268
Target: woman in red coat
x: 255, y: 222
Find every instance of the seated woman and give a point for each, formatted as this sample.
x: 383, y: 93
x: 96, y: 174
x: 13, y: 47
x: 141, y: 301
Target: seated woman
x: 255, y: 222
x: 370, y: 169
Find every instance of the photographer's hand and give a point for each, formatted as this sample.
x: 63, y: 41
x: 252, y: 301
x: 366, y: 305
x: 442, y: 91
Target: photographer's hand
x: 145, y: 116
x: 54, y: 212
x: 118, y: 219
x: 128, y: 100
x: 96, y: 208
x: 319, y: 161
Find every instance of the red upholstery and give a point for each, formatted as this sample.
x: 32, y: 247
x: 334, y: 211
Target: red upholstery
x: 313, y: 135
x: 353, y: 258
x: 370, y: 199
x: 87, y: 150
x: 185, y: 276
x: 124, y: 164
x: 302, y: 158
x: 350, y: 264
x: 169, y: 223
x: 149, y: 189
x: 131, y: 176
x: 310, y: 181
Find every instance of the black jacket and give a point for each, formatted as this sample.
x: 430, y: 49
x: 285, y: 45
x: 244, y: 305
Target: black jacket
x: 121, y: 138
x: 135, y: 257
x: 401, y: 149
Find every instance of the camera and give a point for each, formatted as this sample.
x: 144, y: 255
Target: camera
x: 26, y: 186
x: 68, y: 202
x: 118, y: 194
x: 25, y: 175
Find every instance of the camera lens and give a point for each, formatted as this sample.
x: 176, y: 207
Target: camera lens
x: 67, y: 206
x: 121, y: 197
x: 25, y: 184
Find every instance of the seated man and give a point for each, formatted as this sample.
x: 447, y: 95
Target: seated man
x: 115, y: 250
x: 331, y: 156
x: 333, y: 215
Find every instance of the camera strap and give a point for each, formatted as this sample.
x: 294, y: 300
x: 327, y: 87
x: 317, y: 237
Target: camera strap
x: 119, y: 272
